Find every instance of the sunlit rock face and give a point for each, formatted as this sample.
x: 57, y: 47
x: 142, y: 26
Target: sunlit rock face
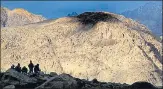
x: 113, y: 50
x: 18, y: 17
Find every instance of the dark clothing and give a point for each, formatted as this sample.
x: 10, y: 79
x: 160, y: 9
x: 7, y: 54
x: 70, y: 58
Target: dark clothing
x: 36, y: 69
x: 12, y: 67
x: 24, y: 70
x: 18, y: 68
x: 31, y: 67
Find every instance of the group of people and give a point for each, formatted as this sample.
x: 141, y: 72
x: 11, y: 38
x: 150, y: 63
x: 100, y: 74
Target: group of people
x: 32, y: 68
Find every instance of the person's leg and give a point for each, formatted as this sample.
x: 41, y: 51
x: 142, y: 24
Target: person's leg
x: 30, y: 71
x: 37, y: 73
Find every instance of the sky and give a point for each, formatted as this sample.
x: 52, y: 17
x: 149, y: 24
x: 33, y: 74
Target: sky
x: 56, y: 9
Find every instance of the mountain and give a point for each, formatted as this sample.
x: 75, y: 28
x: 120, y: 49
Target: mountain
x: 150, y: 15
x: 101, y: 45
x: 73, y: 14
x: 18, y: 17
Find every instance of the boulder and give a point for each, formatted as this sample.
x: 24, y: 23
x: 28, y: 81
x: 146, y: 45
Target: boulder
x: 63, y: 81
x: 43, y: 77
x: 142, y: 85
x: 9, y: 87
x: 53, y: 74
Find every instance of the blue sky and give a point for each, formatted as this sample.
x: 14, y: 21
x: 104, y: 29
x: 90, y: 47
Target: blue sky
x: 55, y: 9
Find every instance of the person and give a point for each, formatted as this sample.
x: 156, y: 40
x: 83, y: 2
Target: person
x: 24, y: 70
x: 18, y: 68
x: 95, y: 81
x: 13, y: 67
x: 36, y: 69
x: 31, y: 67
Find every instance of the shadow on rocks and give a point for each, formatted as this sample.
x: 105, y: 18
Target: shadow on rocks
x: 87, y: 18
x: 142, y: 85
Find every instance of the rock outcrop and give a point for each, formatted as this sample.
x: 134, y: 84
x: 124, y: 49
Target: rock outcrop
x: 114, y: 48
x: 17, y: 77
x: 18, y: 17
x: 60, y: 82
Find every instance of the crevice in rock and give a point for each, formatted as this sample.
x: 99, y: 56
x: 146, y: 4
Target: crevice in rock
x: 149, y: 58
x: 155, y: 51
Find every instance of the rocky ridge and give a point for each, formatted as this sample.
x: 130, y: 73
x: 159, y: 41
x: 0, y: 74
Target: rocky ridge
x: 114, y: 48
x: 18, y: 17
x: 10, y: 80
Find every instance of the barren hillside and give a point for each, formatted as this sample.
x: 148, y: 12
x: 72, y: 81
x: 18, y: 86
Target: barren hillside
x: 99, y: 45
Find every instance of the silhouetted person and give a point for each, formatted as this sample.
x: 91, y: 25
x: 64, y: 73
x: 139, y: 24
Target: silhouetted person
x: 13, y: 67
x: 24, y: 70
x: 37, y: 69
x: 95, y: 81
x: 18, y: 68
x: 31, y: 66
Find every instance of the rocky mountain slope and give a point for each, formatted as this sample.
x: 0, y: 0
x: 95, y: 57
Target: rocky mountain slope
x: 101, y: 45
x: 18, y: 17
x: 150, y: 15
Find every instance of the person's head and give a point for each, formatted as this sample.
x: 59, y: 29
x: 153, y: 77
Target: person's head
x: 18, y: 64
x: 12, y: 66
x: 37, y: 64
x: 30, y: 61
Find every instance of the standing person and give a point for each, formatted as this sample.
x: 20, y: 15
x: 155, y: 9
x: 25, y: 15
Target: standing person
x: 31, y: 67
x: 24, y: 70
x: 18, y: 68
x: 13, y: 67
x: 37, y: 69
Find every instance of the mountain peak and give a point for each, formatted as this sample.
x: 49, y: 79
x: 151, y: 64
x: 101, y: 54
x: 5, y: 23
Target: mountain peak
x: 18, y: 16
x: 151, y: 4
x: 21, y: 11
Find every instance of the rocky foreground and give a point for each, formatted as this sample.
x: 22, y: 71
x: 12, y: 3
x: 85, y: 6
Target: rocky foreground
x: 12, y: 79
